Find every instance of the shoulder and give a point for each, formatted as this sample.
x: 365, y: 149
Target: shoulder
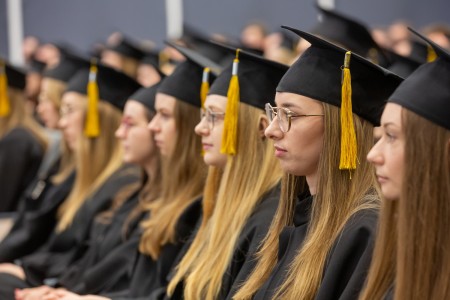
x: 18, y: 135
x: 268, y: 204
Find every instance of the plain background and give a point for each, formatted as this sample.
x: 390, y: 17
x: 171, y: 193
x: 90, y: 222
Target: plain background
x: 83, y: 22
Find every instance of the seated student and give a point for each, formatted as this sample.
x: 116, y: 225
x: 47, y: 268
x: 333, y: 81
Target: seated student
x: 106, y: 263
x: 173, y: 216
x: 412, y: 161
x: 242, y: 192
x: 22, y: 140
x: 319, y: 247
x: 40, y: 201
x: 90, y: 111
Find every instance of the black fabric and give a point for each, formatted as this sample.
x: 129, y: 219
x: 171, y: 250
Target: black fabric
x: 347, y: 263
x: 151, y: 58
x: 69, y: 64
x: 36, y: 218
x: 114, y: 86
x: 257, y: 76
x: 63, y: 248
x: 146, y: 96
x: 127, y: 47
x: 149, y: 275
x: 427, y: 91
x: 16, y: 77
x: 317, y: 74
x: 36, y: 66
x: 106, y: 263
x: 402, y: 65
x: 20, y: 157
x: 186, y: 80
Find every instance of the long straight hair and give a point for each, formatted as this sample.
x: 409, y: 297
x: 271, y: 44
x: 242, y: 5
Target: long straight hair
x: 183, y: 179
x: 337, y: 199
x: 19, y: 117
x: 417, y: 259
x: 96, y: 159
x: 230, y: 198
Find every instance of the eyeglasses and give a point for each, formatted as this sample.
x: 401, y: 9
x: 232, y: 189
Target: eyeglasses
x: 211, y: 117
x: 284, y: 116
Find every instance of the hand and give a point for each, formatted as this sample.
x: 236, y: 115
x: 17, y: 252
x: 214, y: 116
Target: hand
x: 33, y: 293
x: 13, y: 270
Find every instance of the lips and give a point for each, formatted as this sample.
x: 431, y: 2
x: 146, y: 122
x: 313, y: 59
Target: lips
x: 382, y: 179
x: 207, y: 146
x: 279, y: 151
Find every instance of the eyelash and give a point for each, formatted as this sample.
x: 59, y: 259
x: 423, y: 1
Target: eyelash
x: 390, y: 137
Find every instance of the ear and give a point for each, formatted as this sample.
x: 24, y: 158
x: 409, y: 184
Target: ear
x: 263, y: 124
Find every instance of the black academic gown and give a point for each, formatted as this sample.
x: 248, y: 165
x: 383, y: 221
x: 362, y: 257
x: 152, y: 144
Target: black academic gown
x: 20, y: 157
x: 36, y: 218
x: 105, y: 264
x: 63, y: 248
x: 347, y: 264
x: 248, y: 243
x: 149, y: 275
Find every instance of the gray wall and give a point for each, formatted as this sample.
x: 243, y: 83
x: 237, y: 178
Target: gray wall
x: 83, y: 22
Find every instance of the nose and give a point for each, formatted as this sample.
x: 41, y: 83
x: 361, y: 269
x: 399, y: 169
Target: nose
x: 375, y: 156
x: 120, y: 132
x: 273, y: 131
x: 202, y: 128
x: 153, y: 126
x: 62, y: 122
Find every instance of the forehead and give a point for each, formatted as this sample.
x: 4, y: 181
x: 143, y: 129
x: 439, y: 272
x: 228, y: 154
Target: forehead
x: 392, y: 114
x: 291, y: 100
x: 73, y: 98
x: 164, y: 101
x: 216, y: 101
x: 134, y: 108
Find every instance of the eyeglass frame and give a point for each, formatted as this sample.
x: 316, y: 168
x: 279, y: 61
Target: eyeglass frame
x: 273, y: 110
x: 204, y: 113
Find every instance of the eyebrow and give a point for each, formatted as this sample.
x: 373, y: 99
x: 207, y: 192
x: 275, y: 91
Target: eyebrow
x: 385, y: 125
x: 290, y: 105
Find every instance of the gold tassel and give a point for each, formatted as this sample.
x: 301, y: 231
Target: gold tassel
x: 5, y: 107
x: 348, y: 136
x: 229, y: 136
x: 92, y: 126
x: 431, y: 54
x: 204, y: 89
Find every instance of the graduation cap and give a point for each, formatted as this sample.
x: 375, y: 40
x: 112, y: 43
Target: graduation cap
x: 36, y: 66
x: 331, y: 74
x: 402, y: 65
x: 153, y: 58
x: 146, y: 96
x: 127, y: 48
x: 100, y: 82
x: 68, y: 65
x: 427, y: 90
x: 250, y: 79
x: 190, y: 81
x: 349, y: 33
x: 421, y: 51
x: 9, y: 77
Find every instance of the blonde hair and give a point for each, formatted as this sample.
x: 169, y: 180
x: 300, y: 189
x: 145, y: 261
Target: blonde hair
x: 95, y: 161
x: 336, y: 200
x: 229, y: 200
x: 19, y: 117
x: 417, y: 258
x: 183, y: 179
x: 55, y: 90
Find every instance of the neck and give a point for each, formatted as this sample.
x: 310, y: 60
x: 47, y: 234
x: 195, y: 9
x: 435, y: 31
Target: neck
x: 312, y: 183
x: 150, y: 166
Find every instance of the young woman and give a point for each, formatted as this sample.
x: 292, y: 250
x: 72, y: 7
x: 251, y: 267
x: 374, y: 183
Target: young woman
x: 22, y: 140
x: 240, y: 197
x: 319, y: 247
x: 99, y: 167
x: 412, y: 162
x: 37, y: 210
x: 174, y: 215
x: 106, y: 263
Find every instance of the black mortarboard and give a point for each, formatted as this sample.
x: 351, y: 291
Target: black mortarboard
x: 113, y: 86
x: 9, y: 77
x: 318, y: 74
x: 36, y: 66
x: 127, y: 48
x: 185, y: 83
x: 258, y: 78
x: 421, y: 51
x: 68, y: 65
x: 331, y: 74
x: 146, y: 96
x: 427, y: 91
x: 348, y: 33
x: 402, y: 65
x: 152, y: 58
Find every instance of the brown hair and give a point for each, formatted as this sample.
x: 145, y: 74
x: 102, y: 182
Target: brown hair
x: 230, y: 198
x: 335, y: 189
x: 183, y: 179
x: 417, y: 259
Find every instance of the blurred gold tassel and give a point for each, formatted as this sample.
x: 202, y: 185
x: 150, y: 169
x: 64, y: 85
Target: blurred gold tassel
x: 5, y: 107
x: 431, y: 54
x: 348, y: 136
x: 229, y: 136
x: 92, y: 126
x: 204, y: 89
